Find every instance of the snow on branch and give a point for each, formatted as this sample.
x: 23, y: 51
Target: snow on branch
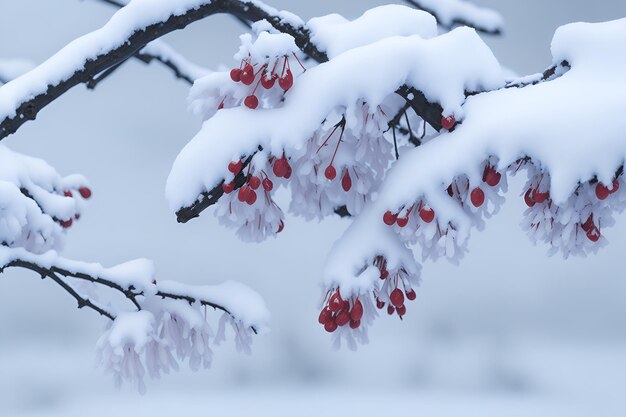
x: 452, y: 13
x: 128, y: 31
x: 358, y: 86
x: 166, y: 321
x: 563, y: 132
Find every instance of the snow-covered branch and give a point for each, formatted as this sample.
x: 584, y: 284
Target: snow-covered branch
x: 452, y: 13
x: 129, y: 30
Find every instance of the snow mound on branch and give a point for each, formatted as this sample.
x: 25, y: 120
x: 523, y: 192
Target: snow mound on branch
x: 335, y: 34
x: 451, y: 12
x: 564, y: 131
x: 34, y: 200
x: 443, y: 68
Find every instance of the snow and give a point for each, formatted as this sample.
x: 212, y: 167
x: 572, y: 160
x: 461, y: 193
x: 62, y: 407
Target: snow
x: 449, y: 12
x: 137, y: 15
x: 335, y: 34
x: 370, y: 73
x: 566, y: 127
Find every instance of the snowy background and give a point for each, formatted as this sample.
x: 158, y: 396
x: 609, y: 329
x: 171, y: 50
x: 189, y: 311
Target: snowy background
x: 508, y: 332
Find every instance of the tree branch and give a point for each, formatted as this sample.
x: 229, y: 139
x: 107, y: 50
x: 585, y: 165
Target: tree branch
x: 46, y: 272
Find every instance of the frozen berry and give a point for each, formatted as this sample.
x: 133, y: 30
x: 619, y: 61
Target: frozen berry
x: 268, y: 81
x: 528, y: 198
x: 357, y: 310
x: 477, y: 196
x: 601, y: 191
x: 247, y: 75
x: 593, y: 234
x: 335, y: 303
x: 346, y: 181
x: 254, y: 182
x: 491, y: 176
x: 354, y: 324
x: 228, y: 187
x: 402, y: 221
x: 235, y: 167
x: 286, y: 82
x: 448, y: 122
x: 380, y: 304
x: 330, y: 172
x: 235, y: 74
x: 251, y: 102
x: 396, y: 297
x: 390, y: 310
x: 389, y: 218
x: 85, y: 192
x: 325, y: 315
x: 427, y: 215
x: 401, y: 310
x: 411, y: 295
x: 342, y: 318
x: 66, y: 223
x: 330, y: 326
x: 539, y: 197
x: 268, y: 185
x: 251, y: 197
x: 67, y: 193
x: 243, y: 193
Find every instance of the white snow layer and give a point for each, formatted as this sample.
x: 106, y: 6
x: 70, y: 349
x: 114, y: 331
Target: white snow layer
x: 368, y: 74
x: 335, y: 34
x: 569, y: 127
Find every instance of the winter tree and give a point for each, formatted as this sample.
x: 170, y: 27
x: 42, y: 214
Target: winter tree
x: 402, y: 121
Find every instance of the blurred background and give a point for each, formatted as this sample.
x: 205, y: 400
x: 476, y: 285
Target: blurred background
x: 508, y: 332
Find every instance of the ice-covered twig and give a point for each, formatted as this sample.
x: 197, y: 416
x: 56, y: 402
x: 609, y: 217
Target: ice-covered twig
x: 129, y: 30
x: 451, y: 13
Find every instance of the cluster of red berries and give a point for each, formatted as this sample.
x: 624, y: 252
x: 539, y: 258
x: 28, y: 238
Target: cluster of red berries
x: 533, y: 196
x: 247, y: 74
x: 338, y: 312
x: 247, y: 193
x: 396, y: 295
x: 85, y: 192
x: 426, y: 214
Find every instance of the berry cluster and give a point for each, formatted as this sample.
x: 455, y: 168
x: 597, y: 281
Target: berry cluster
x: 85, y: 193
x: 256, y: 74
x: 390, y: 293
x: 338, y: 312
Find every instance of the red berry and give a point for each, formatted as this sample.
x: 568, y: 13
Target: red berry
x: 601, y: 191
x: 85, y: 192
x: 281, y: 226
x: 288, y: 173
x: 427, y: 215
x: 357, y: 311
x: 402, y: 221
x: 280, y: 167
x: 342, y: 318
x: 251, y: 102
x: 251, y: 197
x: 244, y: 193
x: 254, y: 182
x: 380, y: 304
x: 235, y: 167
x: 268, y: 185
x: 228, y: 187
x: 384, y: 274
x: 325, y: 315
x: 330, y: 172
x: 477, y: 196
x: 330, y: 326
x: 268, y: 82
x: 528, y: 198
x: 235, y: 74
x: 411, y: 295
x: 355, y: 324
x: 389, y: 218
x: 540, y: 197
x: 491, y: 176
x: 401, y: 310
x: 390, y: 310
x: 593, y: 234
x: 396, y: 297
x: 335, y: 303
x: 67, y: 193
x: 66, y: 223
x: 346, y: 181
x: 286, y: 82
x: 247, y: 75
x: 448, y: 122
x: 588, y: 224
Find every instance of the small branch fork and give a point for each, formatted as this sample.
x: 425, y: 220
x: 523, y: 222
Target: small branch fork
x: 456, y: 22
x: 56, y: 273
